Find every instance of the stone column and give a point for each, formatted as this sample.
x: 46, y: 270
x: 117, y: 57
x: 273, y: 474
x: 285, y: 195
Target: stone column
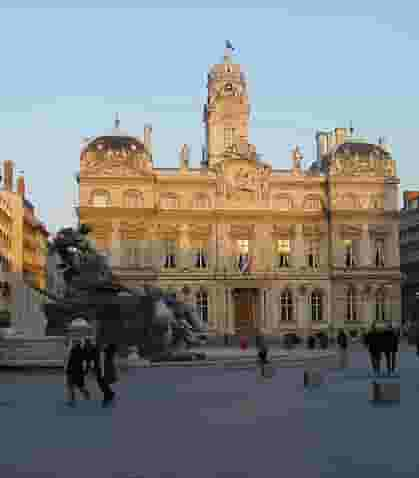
x: 213, y: 250
x: 394, y: 259
x: 365, y: 259
x: 324, y: 252
x: 303, y: 310
x: 298, y: 250
x: 274, y: 309
x: 220, y: 310
x: 184, y: 249
x: 338, y: 248
x: 388, y: 297
x: 230, y: 320
x: 115, y: 259
x: 262, y: 310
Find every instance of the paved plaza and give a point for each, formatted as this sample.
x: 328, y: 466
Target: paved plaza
x: 213, y: 423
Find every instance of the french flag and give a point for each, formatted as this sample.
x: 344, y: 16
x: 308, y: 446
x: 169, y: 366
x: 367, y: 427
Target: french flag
x: 245, y: 262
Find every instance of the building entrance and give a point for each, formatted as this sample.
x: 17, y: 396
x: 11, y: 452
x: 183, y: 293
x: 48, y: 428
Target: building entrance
x: 245, y: 311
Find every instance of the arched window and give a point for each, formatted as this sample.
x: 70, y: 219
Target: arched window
x: 200, y: 255
x: 169, y: 253
x: 202, y: 305
x: 132, y: 199
x: 282, y: 202
x: 379, y: 306
x: 285, y: 306
x: 316, y: 306
x: 313, y: 253
x: 201, y: 201
x: 101, y: 199
x: 282, y: 252
x: 348, y: 201
x: 169, y: 201
x: 351, y: 304
x: 312, y: 203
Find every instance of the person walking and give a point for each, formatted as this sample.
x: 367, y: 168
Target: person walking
x: 387, y: 345
x: 374, y: 345
x: 394, y: 349
x: 107, y: 373
x: 75, y: 369
x: 342, y: 341
x: 92, y: 354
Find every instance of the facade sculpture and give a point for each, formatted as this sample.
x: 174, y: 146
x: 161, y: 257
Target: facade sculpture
x: 351, y: 182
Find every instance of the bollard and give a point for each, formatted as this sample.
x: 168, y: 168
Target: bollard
x: 312, y: 378
x: 384, y: 392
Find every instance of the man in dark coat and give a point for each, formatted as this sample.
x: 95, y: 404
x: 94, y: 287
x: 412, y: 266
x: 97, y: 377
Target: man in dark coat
x: 373, y: 341
x: 101, y: 364
x: 75, y: 369
x: 342, y: 341
x: 387, y: 346
x: 394, y: 348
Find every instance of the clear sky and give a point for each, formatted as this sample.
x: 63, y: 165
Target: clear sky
x: 310, y: 65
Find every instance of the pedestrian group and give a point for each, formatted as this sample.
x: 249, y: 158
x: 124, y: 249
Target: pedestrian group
x: 84, y: 358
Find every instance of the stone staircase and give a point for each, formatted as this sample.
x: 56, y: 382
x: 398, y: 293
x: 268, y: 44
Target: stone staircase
x: 43, y: 351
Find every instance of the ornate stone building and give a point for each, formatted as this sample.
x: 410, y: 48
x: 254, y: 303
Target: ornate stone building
x: 287, y: 250
x: 23, y: 245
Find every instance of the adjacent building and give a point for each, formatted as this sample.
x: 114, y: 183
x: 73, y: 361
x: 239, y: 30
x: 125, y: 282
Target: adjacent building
x: 409, y: 256
x: 275, y: 250
x: 23, y: 245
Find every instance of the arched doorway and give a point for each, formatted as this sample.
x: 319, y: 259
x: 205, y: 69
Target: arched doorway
x: 245, y: 311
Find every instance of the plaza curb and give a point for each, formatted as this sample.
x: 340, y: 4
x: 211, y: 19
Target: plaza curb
x: 237, y: 362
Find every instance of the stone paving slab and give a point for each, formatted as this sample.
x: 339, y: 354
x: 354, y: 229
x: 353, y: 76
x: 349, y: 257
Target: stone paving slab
x: 211, y: 423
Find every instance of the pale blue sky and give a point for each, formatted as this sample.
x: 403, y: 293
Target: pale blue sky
x: 310, y: 65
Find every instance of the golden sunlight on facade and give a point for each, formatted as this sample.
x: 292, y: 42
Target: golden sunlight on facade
x: 278, y: 251
x: 23, y: 243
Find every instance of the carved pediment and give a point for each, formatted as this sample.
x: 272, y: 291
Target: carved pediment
x: 351, y: 230
x: 244, y: 230
x: 114, y: 165
x: 379, y: 229
x: 283, y: 229
x: 314, y: 229
x: 200, y: 229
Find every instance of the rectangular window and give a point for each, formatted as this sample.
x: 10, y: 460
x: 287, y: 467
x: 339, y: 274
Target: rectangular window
x: 200, y: 256
x: 283, y: 250
x: 169, y: 253
x: 229, y: 137
x: 349, y: 253
x: 379, y: 252
x: 313, y: 254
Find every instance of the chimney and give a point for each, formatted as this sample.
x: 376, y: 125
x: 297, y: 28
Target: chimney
x: 322, y: 144
x: 21, y: 186
x: 8, y: 175
x: 340, y: 135
x: 184, y: 157
x: 147, y: 137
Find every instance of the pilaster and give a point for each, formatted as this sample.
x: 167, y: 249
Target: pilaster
x: 298, y: 250
x: 366, y: 254
x: 115, y: 248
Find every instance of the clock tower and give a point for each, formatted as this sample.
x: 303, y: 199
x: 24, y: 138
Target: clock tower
x: 226, y: 113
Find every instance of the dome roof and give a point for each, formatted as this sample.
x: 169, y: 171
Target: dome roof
x: 114, y: 139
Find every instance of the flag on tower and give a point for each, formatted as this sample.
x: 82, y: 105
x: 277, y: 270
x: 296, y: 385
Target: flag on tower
x: 244, y: 263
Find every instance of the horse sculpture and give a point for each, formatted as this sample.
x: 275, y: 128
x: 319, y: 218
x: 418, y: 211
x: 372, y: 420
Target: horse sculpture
x: 157, y: 323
